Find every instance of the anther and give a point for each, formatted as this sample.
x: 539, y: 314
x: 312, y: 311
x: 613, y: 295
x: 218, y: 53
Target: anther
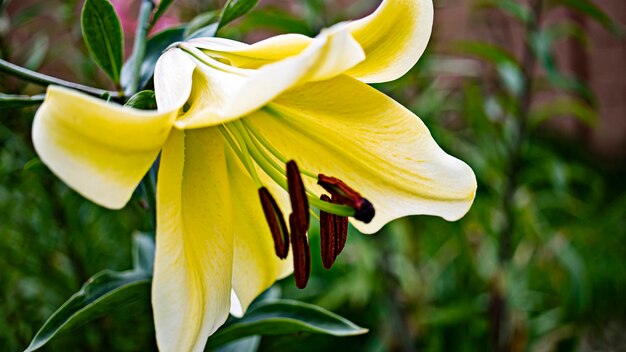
x: 276, y: 222
x: 327, y: 236
x: 333, y: 235
x: 341, y: 226
x: 301, y: 253
x: 297, y: 195
x: 344, y: 194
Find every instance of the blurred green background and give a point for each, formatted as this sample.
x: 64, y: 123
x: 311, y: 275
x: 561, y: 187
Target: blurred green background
x: 530, y: 94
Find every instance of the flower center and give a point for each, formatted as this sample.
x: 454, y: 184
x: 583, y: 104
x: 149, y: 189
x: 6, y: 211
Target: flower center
x: 256, y: 152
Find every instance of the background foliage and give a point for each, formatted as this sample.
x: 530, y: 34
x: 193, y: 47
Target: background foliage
x: 537, y: 264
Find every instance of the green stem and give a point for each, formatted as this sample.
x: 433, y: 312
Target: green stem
x: 139, y: 47
x: 45, y: 80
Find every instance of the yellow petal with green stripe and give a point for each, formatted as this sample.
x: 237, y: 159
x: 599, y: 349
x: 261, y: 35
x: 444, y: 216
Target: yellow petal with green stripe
x: 344, y: 128
x: 224, y: 93
x: 194, y: 242
x: 393, y: 38
x: 255, y: 264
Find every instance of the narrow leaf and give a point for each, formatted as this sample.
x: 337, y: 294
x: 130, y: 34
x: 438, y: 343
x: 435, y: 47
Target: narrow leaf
x: 161, y: 8
x: 235, y: 9
x: 486, y: 51
x: 154, y: 48
x: 519, y: 11
x: 208, y: 31
x: 102, y: 293
x: 565, y: 106
x: 102, y: 33
x: 201, y: 21
x: 589, y: 9
x: 284, y: 317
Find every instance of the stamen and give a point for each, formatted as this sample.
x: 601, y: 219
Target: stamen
x: 343, y: 194
x: 267, y: 145
x: 301, y: 253
x: 279, y: 178
x: 297, y: 195
x: 244, y: 153
x: 333, y: 235
x: 276, y: 222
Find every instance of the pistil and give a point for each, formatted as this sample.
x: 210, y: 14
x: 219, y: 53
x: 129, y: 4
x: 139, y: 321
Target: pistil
x: 344, y: 194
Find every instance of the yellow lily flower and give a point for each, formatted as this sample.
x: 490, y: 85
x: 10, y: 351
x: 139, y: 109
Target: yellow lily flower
x: 230, y: 116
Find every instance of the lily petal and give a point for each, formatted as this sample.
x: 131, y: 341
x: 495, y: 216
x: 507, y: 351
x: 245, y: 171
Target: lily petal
x: 223, y: 93
x: 255, y: 266
x: 344, y: 128
x: 101, y: 150
x: 258, y: 54
x: 394, y: 37
x: 194, y: 249
x: 172, y: 79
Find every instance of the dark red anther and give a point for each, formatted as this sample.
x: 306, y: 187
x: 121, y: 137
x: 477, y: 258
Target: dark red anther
x: 297, y: 195
x: 327, y: 236
x: 341, y: 226
x: 301, y: 254
x: 344, y: 194
x: 276, y: 222
x: 333, y: 235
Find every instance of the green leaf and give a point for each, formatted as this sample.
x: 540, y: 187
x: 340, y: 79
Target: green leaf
x: 276, y: 19
x: 208, y: 31
x: 562, y: 107
x: 144, y: 100
x: 517, y: 10
x: 154, y: 48
x: 143, y: 254
x: 541, y: 44
x: 284, y: 317
x: 163, y: 6
x: 589, y: 9
x: 201, y: 21
x: 37, y: 53
x: 102, y: 33
x: 247, y: 344
x: 235, y: 9
x: 512, y: 78
x: 104, y: 292
x: 486, y: 51
x: 10, y: 101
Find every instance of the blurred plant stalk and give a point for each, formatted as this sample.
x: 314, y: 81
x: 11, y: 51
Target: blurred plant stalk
x: 501, y: 330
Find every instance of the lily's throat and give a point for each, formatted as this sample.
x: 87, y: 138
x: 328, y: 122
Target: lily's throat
x: 257, y: 154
